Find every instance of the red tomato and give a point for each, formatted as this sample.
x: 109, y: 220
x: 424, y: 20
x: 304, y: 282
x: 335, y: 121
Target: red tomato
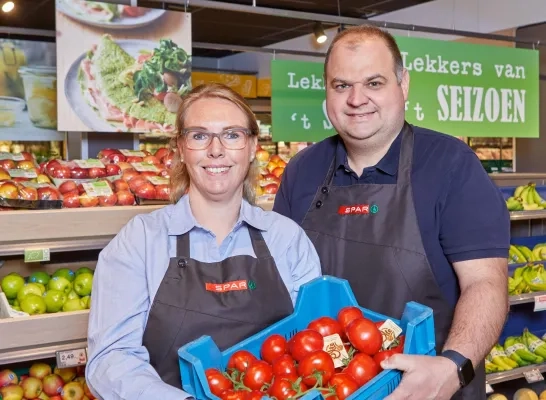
x: 254, y: 395
x: 383, y: 355
x: 379, y: 323
x: 284, y: 365
x: 326, y: 326
x: 344, y: 385
x: 231, y: 394
x: 218, y: 383
x: 273, y: 347
x: 319, y: 362
x: 347, y: 314
x: 398, y: 345
x: 257, y: 375
x: 362, y: 368
x: 284, y: 387
x: 241, y: 360
x: 364, y: 336
x: 305, y: 342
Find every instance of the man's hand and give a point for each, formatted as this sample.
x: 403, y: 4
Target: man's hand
x: 424, y: 377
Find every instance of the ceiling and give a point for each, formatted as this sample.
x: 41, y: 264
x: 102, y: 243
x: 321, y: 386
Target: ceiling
x: 232, y: 28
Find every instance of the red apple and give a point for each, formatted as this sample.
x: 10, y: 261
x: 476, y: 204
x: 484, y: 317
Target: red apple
x: 71, y: 200
x: 52, y: 385
x: 145, y: 174
x: 32, y: 387
x: 27, y: 165
x: 7, y: 376
x: 124, y: 165
x: 97, y: 172
x: 272, y: 178
x: 4, y: 176
x: 39, y: 370
x: 88, y: 201
x: 57, y: 398
x: 48, y: 193
x: 151, y: 160
x: 51, y: 166
x: 112, y: 169
x: 81, y: 189
x: 161, y: 152
x: 106, y: 201
x: 26, y: 155
x: 22, y: 378
x: 129, y: 174
x: 11, y: 392
x: 61, y: 172
x: 68, y: 186
x: 28, y: 193
x: 79, y: 173
x: 262, y: 155
x: 20, y: 179
x: 7, y: 164
x: 125, y: 198
x: 106, y: 152
x: 275, y: 158
x: 168, y: 160
x: 120, y: 184
x: 72, y: 391
x: 133, y: 159
x: 271, y: 188
x: 136, y: 182
x: 278, y: 172
x: 114, y: 158
x: 8, y: 190
x: 145, y: 191
x: 162, y: 192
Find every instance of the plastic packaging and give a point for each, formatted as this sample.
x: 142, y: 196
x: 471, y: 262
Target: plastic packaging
x: 29, y: 195
x: 98, y: 193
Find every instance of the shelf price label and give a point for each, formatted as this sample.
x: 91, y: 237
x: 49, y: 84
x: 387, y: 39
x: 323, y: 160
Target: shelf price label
x: 488, y: 389
x: 533, y: 375
x: 36, y: 255
x: 540, y: 303
x: 71, y: 358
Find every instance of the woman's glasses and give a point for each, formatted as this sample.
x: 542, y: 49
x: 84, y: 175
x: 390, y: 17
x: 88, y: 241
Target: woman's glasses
x: 232, y: 139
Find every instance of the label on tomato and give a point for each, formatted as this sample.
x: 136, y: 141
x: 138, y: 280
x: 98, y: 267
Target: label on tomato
x: 143, y: 166
x: 390, y: 332
x: 333, y: 345
x: 89, y: 163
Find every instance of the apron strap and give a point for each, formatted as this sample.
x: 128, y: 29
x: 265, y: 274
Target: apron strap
x: 406, y: 155
x: 183, y: 245
x: 258, y: 243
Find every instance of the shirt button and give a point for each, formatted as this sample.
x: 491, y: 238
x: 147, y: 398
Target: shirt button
x: 319, y: 204
x: 325, y: 190
x: 182, y: 263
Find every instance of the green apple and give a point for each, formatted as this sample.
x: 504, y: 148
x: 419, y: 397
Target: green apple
x: 60, y: 283
x: 83, y: 284
x: 42, y: 287
x: 54, y: 300
x: 11, y: 284
x: 84, y: 270
x: 65, y: 273
x: 16, y: 303
x: 33, y: 304
x: 73, y: 305
x: 39, y: 277
x: 27, y: 289
x: 73, y: 295
x: 86, y: 302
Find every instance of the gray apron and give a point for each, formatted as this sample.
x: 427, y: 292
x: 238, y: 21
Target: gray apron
x: 369, y: 235
x: 195, y: 299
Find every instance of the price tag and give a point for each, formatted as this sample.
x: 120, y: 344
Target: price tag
x: 390, y: 332
x: 133, y: 153
x: 142, y: 166
x: 36, y: 185
x: 533, y: 375
x: 90, y: 163
x: 5, y: 155
x: 540, y: 303
x: 36, y: 255
x: 158, y: 180
x: 333, y: 345
x: 488, y: 389
x: 96, y: 189
x: 71, y: 358
x: 22, y: 173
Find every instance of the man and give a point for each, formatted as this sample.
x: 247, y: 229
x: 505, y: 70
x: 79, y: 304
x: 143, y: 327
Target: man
x: 404, y: 214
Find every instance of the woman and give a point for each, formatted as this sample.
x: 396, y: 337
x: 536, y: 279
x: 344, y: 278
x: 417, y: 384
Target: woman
x: 209, y: 264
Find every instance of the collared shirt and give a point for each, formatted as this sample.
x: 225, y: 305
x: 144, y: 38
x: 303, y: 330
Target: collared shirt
x: 131, y: 268
x: 461, y: 213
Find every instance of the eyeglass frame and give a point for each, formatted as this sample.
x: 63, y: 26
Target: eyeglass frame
x: 248, y: 132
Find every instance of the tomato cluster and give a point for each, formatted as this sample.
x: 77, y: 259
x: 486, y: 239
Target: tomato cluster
x: 290, y: 369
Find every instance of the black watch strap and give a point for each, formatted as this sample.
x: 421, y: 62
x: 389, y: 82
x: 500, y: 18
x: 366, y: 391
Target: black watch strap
x: 465, y: 369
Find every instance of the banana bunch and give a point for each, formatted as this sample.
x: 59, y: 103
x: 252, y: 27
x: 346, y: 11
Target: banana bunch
x: 520, y: 254
x: 518, y: 351
x: 498, y: 361
x: 526, y: 198
x: 534, y: 343
x: 516, y: 283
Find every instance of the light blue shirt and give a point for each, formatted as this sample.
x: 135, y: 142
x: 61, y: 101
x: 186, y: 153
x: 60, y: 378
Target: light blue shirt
x: 131, y: 268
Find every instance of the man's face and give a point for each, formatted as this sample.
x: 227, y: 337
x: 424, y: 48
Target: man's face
x: 363, y: 95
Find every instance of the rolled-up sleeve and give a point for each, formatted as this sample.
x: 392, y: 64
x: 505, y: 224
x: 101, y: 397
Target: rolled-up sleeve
x: 118, y: 366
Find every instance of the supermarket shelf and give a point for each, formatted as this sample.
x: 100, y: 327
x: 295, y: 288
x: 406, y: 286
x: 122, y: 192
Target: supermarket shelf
x: 31, y: 135
x: 516, y: 373
x: 527, y: 215
x: 38, y: 353
x: 525, y: 298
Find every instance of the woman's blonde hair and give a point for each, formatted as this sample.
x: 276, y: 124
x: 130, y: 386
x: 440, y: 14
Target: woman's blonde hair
x: 180, y: 178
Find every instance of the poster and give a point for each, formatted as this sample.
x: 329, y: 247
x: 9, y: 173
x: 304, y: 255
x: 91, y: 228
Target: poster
x: 461, y: 89
x: 121, y: 68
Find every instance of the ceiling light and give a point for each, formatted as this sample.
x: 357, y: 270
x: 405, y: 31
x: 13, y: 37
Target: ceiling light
x: 8, y: 6
x: 318, y: 30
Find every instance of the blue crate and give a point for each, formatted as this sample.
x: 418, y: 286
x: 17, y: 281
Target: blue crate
x: 323, y: 296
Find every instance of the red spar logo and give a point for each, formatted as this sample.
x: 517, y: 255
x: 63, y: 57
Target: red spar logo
x: 354, y: 209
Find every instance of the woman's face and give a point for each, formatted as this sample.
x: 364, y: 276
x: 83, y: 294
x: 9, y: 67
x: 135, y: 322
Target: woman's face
x: 216, y: 172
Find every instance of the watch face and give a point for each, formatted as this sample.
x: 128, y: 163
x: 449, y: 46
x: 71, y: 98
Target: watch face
x: 467, y: 373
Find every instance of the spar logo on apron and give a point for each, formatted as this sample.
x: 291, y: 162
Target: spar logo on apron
x: 358, y: 209
x: 230, y: 286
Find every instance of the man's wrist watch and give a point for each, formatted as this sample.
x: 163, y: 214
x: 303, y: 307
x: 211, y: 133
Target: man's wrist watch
x: 465, y: 370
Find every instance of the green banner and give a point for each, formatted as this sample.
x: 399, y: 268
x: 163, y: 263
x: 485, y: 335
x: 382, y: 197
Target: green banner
x: 456, y: 88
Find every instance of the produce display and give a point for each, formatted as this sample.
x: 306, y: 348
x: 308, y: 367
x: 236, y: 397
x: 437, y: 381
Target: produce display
x: 517, y: 351
x: 527, y: 279
x: 522, y: 254
x: 336, y: 356
x: 271, y: 170
x: 526, y: 198
x: 40, y: 293
x: 44, y: 382
x: 521, y: 394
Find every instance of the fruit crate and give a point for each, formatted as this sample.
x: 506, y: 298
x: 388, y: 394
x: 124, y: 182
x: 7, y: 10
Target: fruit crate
x: 324, y: 296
